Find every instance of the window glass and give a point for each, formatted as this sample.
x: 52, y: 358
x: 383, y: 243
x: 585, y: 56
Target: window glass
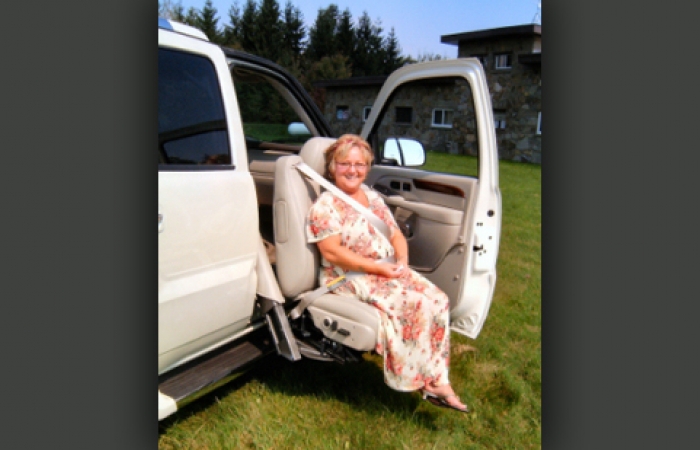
x: 404, y: 114
x: 442, y: 118
x: 502, y: 61
x: 268, y: 110
x: 342, y: 113
x: 191, y: 120
x: 408, y: 102
x: 499, y: 119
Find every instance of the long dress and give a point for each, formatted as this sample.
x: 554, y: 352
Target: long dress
x: 413, y: 334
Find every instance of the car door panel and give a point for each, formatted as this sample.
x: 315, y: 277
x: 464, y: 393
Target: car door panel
x: 206, y: 206
x: 452, y: 222
x: 430, y: 210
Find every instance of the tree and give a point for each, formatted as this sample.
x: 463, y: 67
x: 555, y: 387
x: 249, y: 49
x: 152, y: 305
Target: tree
x: 232, y: 32
x: 208, y: 22
x: 345, y: 40
x: 392, y: 54
x: 293, y: 30
x: 192, y: 17
x: 368, y: 58
x: 322, y: 34
x: 246, y: 26
x: 268, y: 27
x: 423, y: 57
x: 171, y: 10
x: 328, y: 68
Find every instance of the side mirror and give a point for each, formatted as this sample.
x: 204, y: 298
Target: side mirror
x: 406, y: 152
x: 297, y: 129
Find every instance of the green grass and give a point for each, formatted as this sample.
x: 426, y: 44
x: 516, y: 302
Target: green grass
x: 444, y: 162
x: 315, y: 405
x: 272, y: 132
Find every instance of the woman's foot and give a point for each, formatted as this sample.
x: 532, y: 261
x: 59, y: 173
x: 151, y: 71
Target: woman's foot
x: 443, y: 396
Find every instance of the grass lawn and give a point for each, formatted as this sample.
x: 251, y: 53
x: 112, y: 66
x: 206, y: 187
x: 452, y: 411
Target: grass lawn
x: 309, y: 404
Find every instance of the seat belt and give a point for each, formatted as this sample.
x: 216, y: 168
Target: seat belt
x: 309, y: 297
x: 369, y: 215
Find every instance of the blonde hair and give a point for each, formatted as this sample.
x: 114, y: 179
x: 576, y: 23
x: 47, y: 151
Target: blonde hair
x: 341, y: 147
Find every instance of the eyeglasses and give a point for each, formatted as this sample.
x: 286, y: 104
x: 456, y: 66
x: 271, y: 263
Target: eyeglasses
x: 346, y: 165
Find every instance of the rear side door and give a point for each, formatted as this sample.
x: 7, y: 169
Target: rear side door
x: 207, y: 212
x: 452, y: 222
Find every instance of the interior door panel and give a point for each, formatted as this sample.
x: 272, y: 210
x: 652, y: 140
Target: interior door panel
x: 430, y: 210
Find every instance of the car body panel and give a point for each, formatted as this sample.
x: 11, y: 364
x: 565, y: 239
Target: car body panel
x: 207, y: 215
x: 453, y: 222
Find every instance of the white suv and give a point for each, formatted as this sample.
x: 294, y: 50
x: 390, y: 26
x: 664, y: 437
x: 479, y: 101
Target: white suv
x: 232, y: 258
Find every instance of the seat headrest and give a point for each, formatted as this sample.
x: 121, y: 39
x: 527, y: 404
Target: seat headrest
x: 312, y: 153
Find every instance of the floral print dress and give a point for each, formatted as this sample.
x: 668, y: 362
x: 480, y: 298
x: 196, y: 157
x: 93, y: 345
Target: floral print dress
x: 414, y: 329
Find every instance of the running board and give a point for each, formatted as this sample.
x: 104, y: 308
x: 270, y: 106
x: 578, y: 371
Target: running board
x: 204, y: 374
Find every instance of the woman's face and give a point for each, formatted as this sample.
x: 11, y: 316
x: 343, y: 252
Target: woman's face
x: 348, y: 175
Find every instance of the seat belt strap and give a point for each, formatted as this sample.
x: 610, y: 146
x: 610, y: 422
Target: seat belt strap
x: 369, y: 215
x: 307, y: 298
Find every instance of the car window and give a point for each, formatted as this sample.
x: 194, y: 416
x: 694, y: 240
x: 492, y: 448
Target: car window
x: 440, y: 114
x: 268, y: 111
x: 192, y: 126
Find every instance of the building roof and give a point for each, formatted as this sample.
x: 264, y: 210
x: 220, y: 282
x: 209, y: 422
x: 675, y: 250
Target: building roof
x: 514, y: 31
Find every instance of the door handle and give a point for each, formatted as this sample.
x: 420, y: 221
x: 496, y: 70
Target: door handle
x: 160, y: 222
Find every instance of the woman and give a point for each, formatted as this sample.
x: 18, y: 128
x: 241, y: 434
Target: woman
x: 414, y: 330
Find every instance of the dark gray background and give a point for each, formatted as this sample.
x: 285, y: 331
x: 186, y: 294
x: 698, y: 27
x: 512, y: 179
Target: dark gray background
x: 79, y: 322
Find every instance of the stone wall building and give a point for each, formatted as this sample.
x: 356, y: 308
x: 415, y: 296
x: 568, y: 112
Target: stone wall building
x: 511, y: 57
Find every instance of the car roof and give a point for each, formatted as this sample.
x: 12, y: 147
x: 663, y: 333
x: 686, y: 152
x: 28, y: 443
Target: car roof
x: 181, y: 28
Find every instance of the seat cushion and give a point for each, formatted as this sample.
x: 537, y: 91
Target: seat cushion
x: 335, y: 315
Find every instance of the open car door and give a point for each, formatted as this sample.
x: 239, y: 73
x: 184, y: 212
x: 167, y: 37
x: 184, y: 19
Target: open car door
x: 452, y: 222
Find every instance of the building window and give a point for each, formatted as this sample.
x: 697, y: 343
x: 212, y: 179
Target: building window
x: 404, y: 114
x: 539, y: 122
x: 502, y: 61
x: 365, y: 113
x: 499, y: 120
x: 342, y: 112
x: 482, y: 59
x: 442, y: 118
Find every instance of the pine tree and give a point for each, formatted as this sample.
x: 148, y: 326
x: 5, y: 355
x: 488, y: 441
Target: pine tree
x: 268, y: 26
x: 246, y: 27
x: 231, y: 33
x: 293, y: 30
x: 322, y: 34
x: 392, y: 53
x: 192, y: 17
x: 208, y: 22
x: 368, y: 58
x: 345, y: 40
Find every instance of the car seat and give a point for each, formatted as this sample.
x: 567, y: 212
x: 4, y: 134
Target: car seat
x: 343, y: 319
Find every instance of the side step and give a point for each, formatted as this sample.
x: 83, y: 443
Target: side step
x: 210, y: 371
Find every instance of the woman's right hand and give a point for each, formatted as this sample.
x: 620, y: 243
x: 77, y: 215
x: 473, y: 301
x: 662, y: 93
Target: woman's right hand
x: 391, y: 270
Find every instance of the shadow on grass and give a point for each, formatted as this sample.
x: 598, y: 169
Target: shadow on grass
x: 360, y: 385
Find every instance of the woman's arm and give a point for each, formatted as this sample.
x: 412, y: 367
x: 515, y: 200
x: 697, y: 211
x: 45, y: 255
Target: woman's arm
x: 398, y: 241
x: 343, y: 257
